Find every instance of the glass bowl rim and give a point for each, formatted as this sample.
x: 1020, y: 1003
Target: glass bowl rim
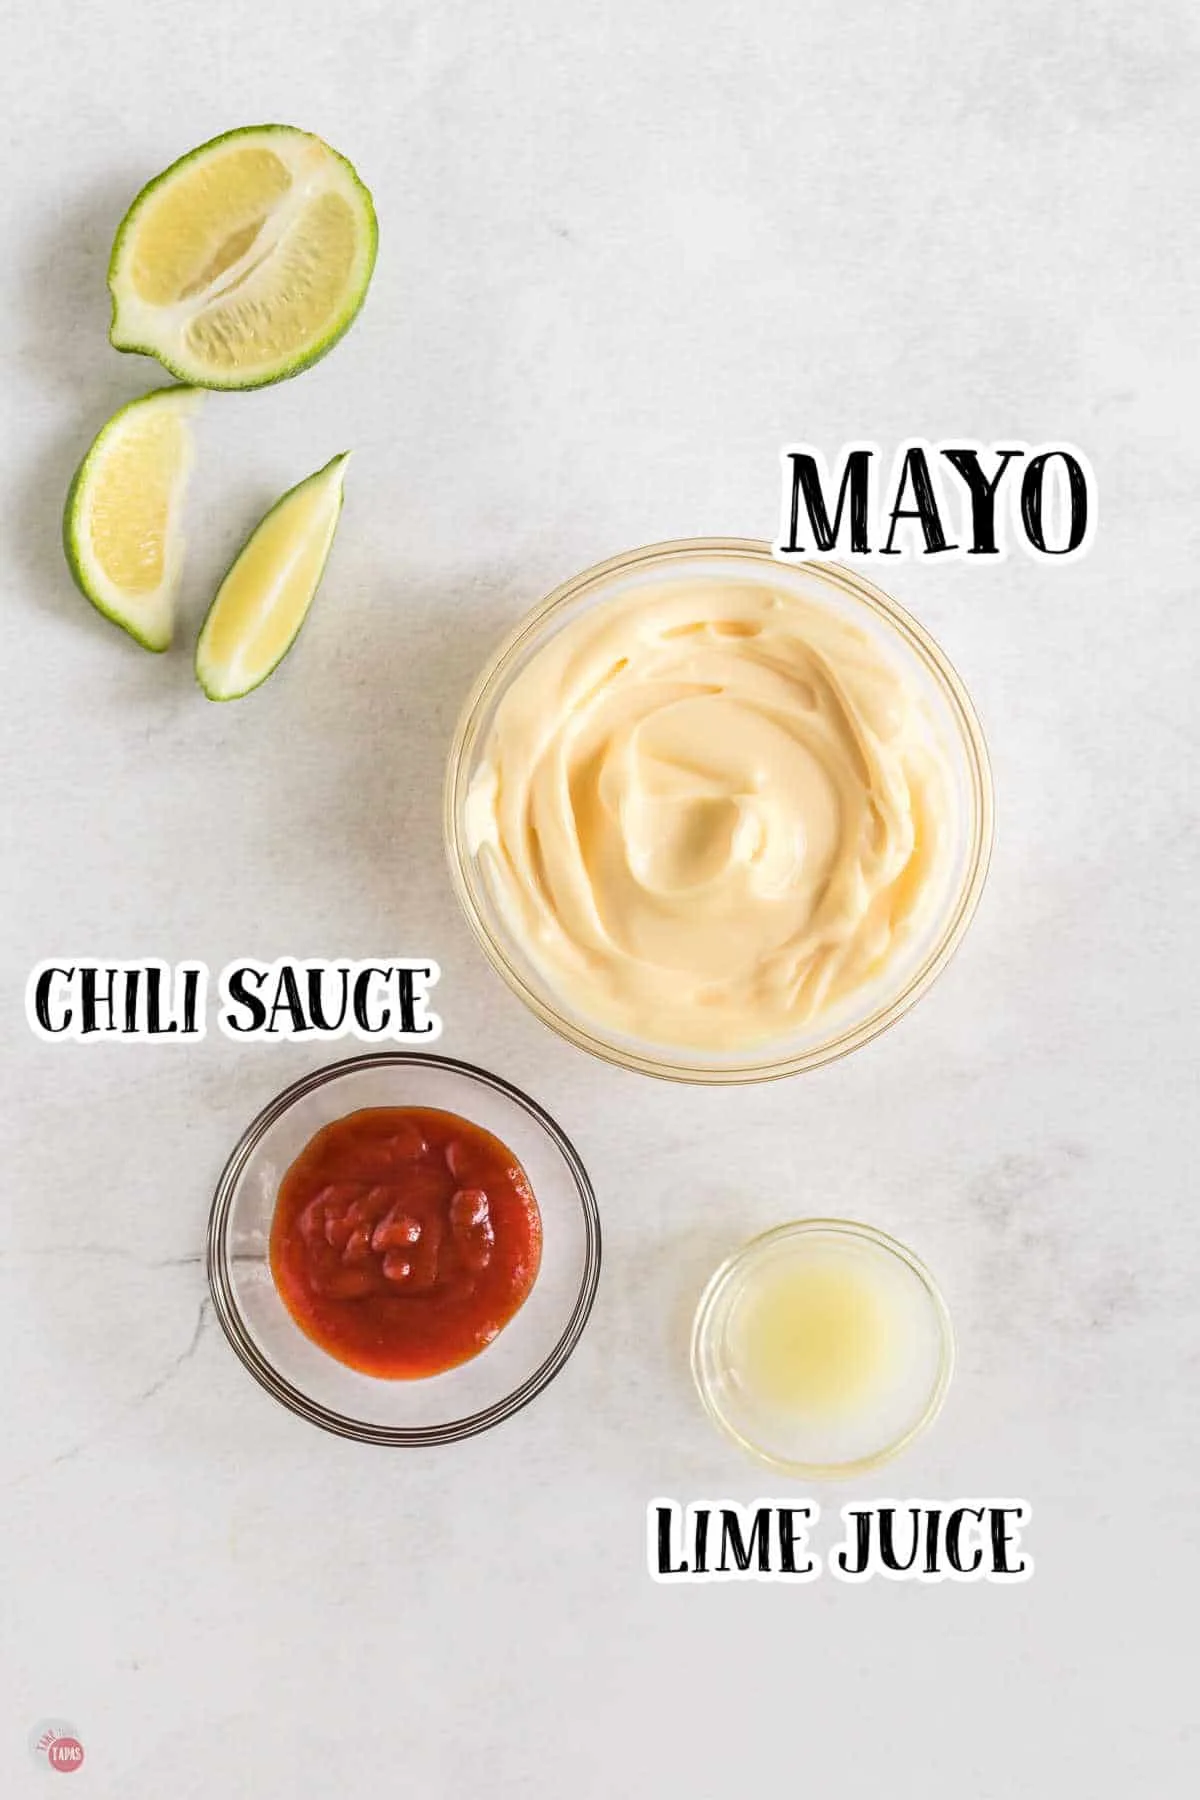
x: 921, y: 642
x: 229, y: 1312
x: 754, y: 1247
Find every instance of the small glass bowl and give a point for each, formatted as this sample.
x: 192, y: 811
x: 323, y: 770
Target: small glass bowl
x: 872, y: 1008
x: 440, y: 1409
x: 834, y: 1445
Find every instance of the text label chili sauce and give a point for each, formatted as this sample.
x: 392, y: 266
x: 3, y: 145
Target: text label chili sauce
x: 404, y: 1240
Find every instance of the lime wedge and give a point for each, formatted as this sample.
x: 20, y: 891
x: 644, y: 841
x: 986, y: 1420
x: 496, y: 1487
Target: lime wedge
x: 264, y: 599
x: 121, y: 519
x: 244, y: 261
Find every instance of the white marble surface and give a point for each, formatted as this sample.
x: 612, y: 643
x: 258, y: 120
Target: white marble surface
x: 627, y: 251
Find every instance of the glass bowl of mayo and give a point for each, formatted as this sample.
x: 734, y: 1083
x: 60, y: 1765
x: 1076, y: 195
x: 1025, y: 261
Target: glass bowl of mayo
x: 715, y: 817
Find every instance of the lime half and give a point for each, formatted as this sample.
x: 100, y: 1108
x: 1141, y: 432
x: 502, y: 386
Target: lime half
x: 121, y: 521
x: 246, y: 260
x: 264, y: 600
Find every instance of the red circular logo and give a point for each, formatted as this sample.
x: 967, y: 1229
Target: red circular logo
x: 65, y: 1754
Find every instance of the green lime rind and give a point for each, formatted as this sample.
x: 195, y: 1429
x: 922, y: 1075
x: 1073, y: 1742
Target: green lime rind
x: 197, y: 374
x: 87, y: 579
x: 206, y: 674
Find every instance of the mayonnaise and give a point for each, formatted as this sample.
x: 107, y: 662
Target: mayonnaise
x: 709, y: 811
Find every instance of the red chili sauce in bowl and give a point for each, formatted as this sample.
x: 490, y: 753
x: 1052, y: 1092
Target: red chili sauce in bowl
x: 404, y: 1240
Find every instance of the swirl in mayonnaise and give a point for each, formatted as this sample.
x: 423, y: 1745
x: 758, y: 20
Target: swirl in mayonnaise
x: 709, y: 812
